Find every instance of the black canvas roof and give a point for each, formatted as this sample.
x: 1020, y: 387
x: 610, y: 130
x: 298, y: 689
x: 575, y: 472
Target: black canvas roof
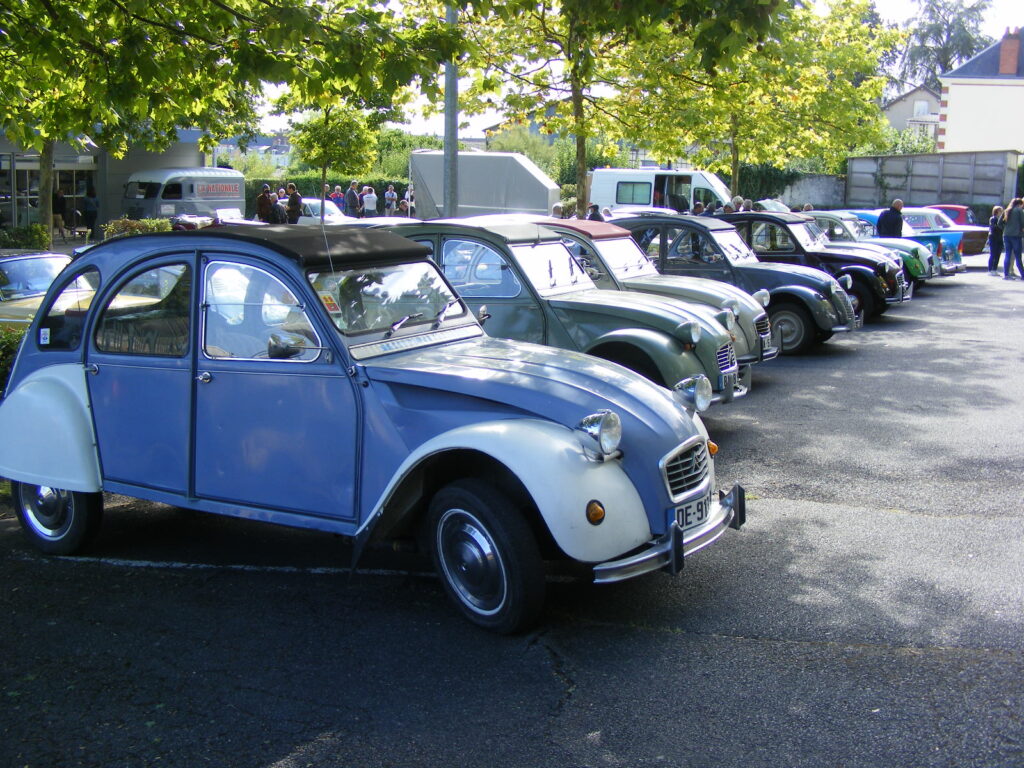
x: 312, y: 246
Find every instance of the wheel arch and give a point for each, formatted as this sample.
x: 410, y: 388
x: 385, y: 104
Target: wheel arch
x: 638, y: 346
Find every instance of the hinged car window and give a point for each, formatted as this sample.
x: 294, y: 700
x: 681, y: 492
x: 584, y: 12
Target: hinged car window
x: 688, y: 245
x: 149, y: 315
x: 61, y: 325
x: 478, y: 270
x: 633, y: 193
x: 251, y: 315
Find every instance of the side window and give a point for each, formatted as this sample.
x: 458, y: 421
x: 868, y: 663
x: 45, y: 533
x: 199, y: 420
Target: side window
x: 477, y: 270
x: 172, y: 191
x: 61, y: 326
x: 149, y: 315
x: 251, y: 315
x: 704, y: 195
x: 633, y: 193
x: 770, y: 238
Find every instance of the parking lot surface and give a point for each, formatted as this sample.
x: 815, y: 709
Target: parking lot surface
x: 870, y: 613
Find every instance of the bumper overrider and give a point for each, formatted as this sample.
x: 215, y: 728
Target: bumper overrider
x: 766, y: 350
x: 902, y: 292
x: 667, y: 552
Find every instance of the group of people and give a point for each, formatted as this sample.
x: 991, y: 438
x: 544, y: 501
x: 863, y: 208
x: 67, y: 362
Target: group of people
x: 64, y: 217
x: 1006, y: 234
x: 285, y: 206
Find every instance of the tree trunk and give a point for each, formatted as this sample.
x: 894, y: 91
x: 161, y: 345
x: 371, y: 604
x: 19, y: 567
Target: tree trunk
x: 580, y: 129
x: 734, y: 141
x: 46, y: 190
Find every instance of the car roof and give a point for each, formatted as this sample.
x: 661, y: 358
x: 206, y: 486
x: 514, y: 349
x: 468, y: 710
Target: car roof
x: 15, y: 256
x: 595, y: 230
x: 308, y: 246
x: 847, y: 215
x: 704, y: 222
x: 510, y: 231
x: 788, y: 217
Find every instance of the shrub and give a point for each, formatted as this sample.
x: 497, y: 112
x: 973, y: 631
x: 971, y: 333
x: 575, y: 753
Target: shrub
x: 10, y: 340
x: 32, y: 236
x: 135, y: 226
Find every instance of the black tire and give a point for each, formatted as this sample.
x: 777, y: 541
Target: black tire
x: 56, y: 521
x: 486, y: 556
x: 863, y: 299
x: 795, y: 326
x: 824, y: 336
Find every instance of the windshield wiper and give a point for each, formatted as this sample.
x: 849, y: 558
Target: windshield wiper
x: 399, y: 323
x: 440, y: 316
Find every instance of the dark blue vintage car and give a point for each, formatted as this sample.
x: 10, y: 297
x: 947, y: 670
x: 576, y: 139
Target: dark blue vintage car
x: 334, y: 381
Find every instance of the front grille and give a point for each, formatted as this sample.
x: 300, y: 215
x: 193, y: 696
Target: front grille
x: 901, y: 279
x: 726, y: 357
x: 686, y: 469
x: 844, y: 305
x: 763, y: 326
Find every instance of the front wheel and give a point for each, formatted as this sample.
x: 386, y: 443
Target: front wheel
x: 863, y: 299
x: 794, y: 325
x: 486, y: 556
x: 54, y: 520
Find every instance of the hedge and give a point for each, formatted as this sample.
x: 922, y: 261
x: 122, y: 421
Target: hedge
x: 32, y: 236
x: 10, y: 340
x: 135, y: 226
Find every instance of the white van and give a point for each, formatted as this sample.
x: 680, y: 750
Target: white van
x: 678, y: 190
x: 164, y: 192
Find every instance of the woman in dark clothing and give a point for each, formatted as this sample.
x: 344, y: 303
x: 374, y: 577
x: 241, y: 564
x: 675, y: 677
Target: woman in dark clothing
x: 995, y: 240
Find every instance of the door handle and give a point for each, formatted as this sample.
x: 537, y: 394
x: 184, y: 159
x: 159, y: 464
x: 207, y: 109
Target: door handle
x: 205, y: 377
x: 93, y: 369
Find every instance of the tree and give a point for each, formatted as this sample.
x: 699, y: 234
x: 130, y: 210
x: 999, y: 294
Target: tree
x: 944, y: 34
x: 130, y: 72
x: 808, y: 90
x: 544, y: 59
x: 393, y: 149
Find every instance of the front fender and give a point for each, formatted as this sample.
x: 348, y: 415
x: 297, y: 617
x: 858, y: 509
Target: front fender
x: 673, y: 361
x: 47, y: 432
x: 811, y: 299
x: 549, y: 461
x: 876, y: 283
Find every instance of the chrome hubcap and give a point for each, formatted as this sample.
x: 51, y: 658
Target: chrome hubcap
x: 471, y: 561
x: 789, y: 329
x: 49, y: 510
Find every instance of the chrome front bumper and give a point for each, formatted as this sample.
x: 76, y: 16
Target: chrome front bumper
x: 732, y: 386
x: 668, y: 551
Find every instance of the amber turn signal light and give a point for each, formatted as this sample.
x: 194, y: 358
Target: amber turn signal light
x: 712, y: 448
x: 595, y: 512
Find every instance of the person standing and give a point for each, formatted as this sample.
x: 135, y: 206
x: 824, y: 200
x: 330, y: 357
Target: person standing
x: 594, y: 213
x: 995, y: 240
x: 390, y: 201
x: 263, y: 204
x: 338, y: 198
x: 369, y: 201
x: 278, y: 213
x: 90, y: 212
x: 1013, y: 231
x: 890, y: 223
x: 352, y: 200
x: 294, y: 205
x: 60, y: 206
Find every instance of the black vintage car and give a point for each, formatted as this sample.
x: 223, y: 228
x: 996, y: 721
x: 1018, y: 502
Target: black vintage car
x: 806, y: 306
x: 793, y: 238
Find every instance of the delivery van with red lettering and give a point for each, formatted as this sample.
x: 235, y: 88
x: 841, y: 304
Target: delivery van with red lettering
x: 164, y: 192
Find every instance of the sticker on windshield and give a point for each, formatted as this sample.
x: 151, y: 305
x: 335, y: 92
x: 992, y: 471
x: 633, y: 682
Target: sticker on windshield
x: 44, y: 336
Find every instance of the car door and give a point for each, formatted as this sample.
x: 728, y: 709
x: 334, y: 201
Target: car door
x: 276, y: 416
x: 485, y: 277
x: 694, y: 253
x: 772, y: 241
x: 140, y: 385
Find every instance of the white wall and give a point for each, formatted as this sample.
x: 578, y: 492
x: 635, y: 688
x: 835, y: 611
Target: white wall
x: 982, y: 114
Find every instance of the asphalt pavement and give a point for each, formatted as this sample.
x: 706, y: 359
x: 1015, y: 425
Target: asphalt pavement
x: 870, y: 613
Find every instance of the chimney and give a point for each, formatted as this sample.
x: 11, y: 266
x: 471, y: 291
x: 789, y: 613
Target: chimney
x: 1009, y: 52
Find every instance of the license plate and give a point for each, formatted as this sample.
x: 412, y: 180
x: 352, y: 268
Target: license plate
x: 726, y: 381
x: 693, y: 513
x: 766, y: 342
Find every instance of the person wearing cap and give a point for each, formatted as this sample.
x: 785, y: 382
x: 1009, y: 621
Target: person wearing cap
x: 264, y: 204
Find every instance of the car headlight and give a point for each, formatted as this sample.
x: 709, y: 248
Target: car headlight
x: 846, y: 281
x: 762, y: 297
x: 731, y: 304
x: 600, y: 434
x: 688, y: 331
x: 727, y: 319
x: 694, y: 393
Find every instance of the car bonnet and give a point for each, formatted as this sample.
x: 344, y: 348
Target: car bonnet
x: 518, y: 378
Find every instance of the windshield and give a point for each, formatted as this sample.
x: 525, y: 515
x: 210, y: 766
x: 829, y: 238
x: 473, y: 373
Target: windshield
x: 551, y: 269
x: 386, y: 298
x: 623, y: 258
x: 21, y: 278
x: 733, y: 246
x: 863, y: 229
x: 330, y: 209
x: 807, y: 234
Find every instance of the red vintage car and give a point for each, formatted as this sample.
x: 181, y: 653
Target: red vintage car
x: 960, y: 214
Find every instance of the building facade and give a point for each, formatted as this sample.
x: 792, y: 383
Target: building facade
x: 982, y: 106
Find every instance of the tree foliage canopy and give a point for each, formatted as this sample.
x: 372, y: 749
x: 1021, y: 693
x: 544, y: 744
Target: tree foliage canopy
x: 944, y: 34
x: 808, y: 89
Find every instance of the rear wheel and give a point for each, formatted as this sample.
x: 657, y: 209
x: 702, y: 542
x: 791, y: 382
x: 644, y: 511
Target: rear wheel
x: 794, y: 325
x: 486, y: 556
x: 54, y: 520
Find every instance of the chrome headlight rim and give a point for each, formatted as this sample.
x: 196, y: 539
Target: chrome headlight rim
x: 694, y: 393
x: 762, y: 296
x: 689, y: 331
x: 728, y: 319
x: 600, y: 434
